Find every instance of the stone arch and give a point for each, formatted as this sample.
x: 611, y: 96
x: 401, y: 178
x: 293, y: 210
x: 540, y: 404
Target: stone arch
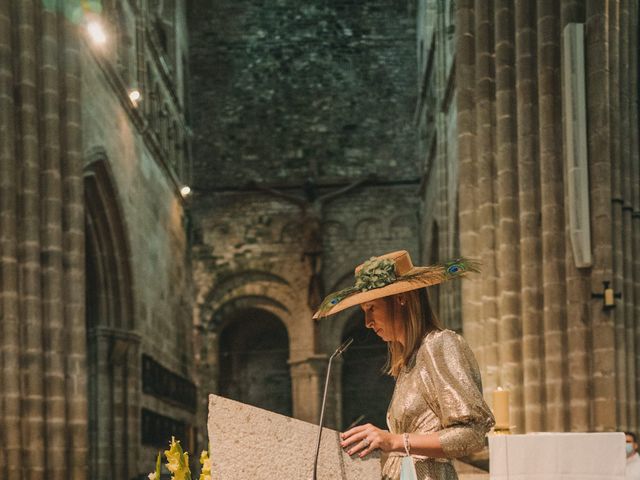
x: 369, y: 229
x: 253, y: 360
x: 267, y: 287
x: 107, y: 247
x: 335, y: 231
x: 366, y: 390
x: 235, y: 296
x: 112, y: 344
x: 225, y: 312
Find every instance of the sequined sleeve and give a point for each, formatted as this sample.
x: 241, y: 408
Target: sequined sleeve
x: 452, y: 379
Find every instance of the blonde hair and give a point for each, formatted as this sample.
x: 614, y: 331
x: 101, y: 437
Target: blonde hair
x: 418, y: 319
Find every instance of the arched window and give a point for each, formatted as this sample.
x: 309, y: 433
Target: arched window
x: 112, y: 345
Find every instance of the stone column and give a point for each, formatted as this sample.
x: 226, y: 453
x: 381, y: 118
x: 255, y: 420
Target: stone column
x: 508, y: 235
x: 552, y: 211
x: 486, y: 206
x: 43, y: 419
x: 529, y: 206
x: 635, y: 192
x: 603, y: 335
x: 575, y: 354
x: 73, y: 258
x: 10, y: 431
x: 51, y: 235
x: 307, y: 383
x: 628, y: 136
x: 465, y: 98
x: 131, y: 370
x: 577, y: 284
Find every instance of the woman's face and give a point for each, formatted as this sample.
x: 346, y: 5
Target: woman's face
x: 378, y: 316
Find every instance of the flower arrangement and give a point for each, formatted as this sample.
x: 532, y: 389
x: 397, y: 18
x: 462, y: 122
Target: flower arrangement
x: 375, y: 273
x: 178, y: 463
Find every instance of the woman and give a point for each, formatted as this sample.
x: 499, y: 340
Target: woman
x: 437, y: 411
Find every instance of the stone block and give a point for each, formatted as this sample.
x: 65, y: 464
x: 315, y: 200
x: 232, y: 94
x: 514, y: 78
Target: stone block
x: 249, y: 442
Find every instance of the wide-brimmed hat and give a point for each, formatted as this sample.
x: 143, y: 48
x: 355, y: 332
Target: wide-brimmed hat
x: 390, y: 274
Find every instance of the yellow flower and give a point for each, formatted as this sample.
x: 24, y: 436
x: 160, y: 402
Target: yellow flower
x: 156, y: 475
x: 205, y: 474
x: 173, y: 455
x: 177, y: 461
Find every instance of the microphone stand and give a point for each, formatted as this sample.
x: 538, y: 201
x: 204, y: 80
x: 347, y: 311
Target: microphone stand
x: 340, y: 350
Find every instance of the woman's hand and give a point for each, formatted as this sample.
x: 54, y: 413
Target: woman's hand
x: 364, y: 439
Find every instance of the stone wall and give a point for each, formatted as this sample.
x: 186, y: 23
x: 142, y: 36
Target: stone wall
x: 282, y: 86
x: 284, y: 94
x: 135, y: 162
x: 251, y: 256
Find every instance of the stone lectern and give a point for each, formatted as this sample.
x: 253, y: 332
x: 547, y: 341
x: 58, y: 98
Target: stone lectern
x: 249, y: 443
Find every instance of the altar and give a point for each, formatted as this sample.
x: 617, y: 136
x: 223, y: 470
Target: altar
x: 557, y: 456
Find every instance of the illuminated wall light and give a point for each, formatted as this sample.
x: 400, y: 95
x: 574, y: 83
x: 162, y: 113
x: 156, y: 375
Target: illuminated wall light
x: 135, y: 96
x: 185, y: 191
x: 96, y: 32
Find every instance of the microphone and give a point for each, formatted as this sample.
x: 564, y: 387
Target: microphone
x: 342, y: 348
x: 339, y: 351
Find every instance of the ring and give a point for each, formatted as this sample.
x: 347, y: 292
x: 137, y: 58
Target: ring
x: 366, y: 442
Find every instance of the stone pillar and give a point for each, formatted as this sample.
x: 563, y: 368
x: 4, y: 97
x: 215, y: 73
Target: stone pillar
x: 577, y: 285
x: 74, y: 260
x: 551, y: 211
x: 307, y: 383
x: 43, y: 419
x: 635, y: 194
x: 508, y: 235
x: 529, y: 206
x: 132, y: 369
x: 534, y: 303
x: 627, y: 138
x: 465, y: 98
x: 10, y: 415
x: 485, y: 200
x: 603, y: 335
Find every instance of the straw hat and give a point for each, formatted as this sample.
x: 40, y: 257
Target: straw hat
x: 390, y: 274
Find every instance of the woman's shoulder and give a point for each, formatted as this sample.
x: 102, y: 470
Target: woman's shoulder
x: 443, y: 335
x: 441, y: 341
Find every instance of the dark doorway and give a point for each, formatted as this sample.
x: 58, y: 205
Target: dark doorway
x: 254, y: 354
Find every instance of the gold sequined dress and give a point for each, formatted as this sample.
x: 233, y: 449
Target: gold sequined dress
x: 439, y: 391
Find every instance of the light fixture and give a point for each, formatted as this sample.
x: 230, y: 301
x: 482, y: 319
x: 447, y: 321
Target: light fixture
x: 185, y: 191
x: 96, y: 32
x: 135, y: 96
x: 608, y: 296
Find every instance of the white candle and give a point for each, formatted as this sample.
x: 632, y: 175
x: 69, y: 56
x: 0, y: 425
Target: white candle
x: 501, y: 409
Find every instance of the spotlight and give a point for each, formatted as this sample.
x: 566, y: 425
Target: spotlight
x: 135, y: 96
x: 185, y: 191
x: 96, y: 32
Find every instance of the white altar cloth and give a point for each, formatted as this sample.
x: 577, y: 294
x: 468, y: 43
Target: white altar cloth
x: 557, y: 456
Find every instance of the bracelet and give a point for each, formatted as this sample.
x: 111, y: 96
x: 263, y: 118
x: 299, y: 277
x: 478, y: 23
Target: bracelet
x: 407, y: 445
